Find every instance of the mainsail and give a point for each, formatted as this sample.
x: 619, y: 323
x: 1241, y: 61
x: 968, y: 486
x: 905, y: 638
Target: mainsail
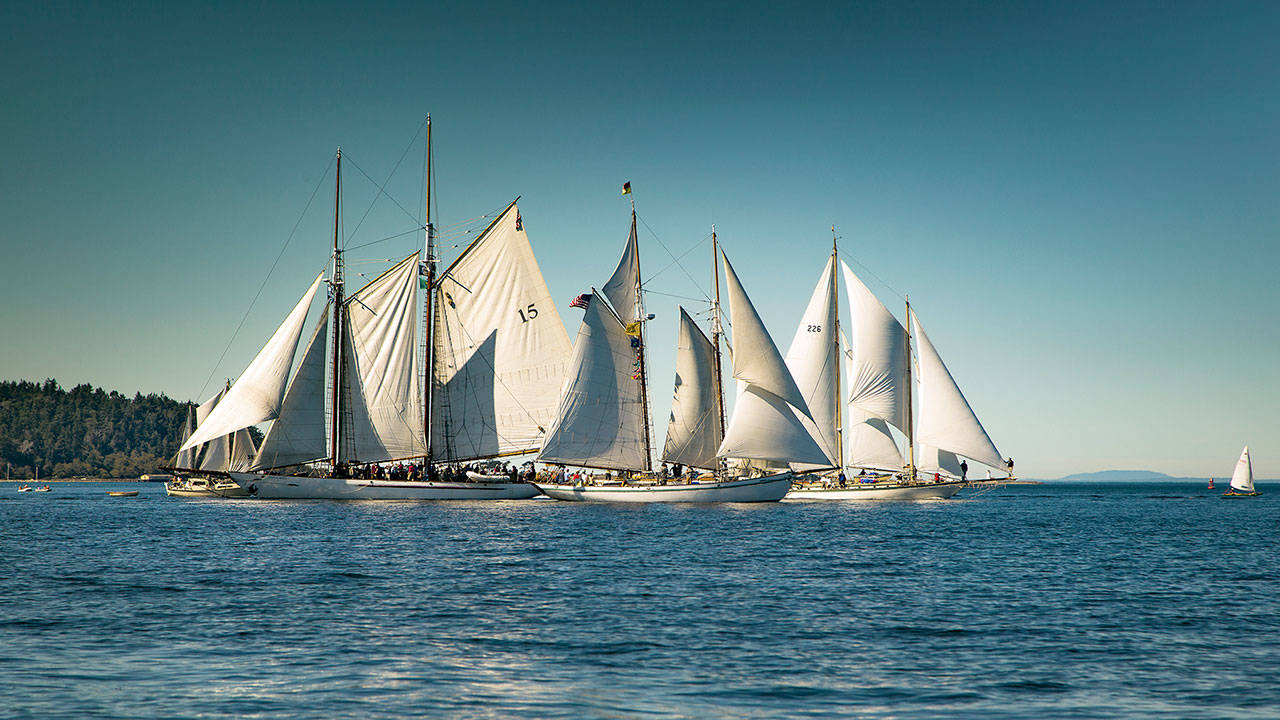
x: 694, y: 428
x: 812, y: 359
x: 298, y: 434
x: 878, y: 381
x: 380, y: 358
x: 258, y: 393
x: 600, y: 421
x: 500, y: 348
x: 1242, y: 478
x: 764, y: 425
x: 946, y: 421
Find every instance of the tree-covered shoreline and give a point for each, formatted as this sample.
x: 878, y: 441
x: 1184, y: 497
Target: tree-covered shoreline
x: 85, y: 431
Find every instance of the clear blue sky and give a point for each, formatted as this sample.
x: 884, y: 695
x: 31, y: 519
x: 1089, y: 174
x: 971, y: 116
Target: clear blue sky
x: 1081, y: 199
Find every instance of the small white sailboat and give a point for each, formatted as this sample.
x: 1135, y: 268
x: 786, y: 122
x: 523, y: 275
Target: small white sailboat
x: 201, y: 471
x: 604, y: 415
x: 1242, y: 478
x: 353, y: 422
x: 885, y: 386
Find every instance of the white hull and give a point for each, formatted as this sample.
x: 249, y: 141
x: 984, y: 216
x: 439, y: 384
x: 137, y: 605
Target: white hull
x: 289, y: 487
x: 879, y: 491
x: 770, y: 488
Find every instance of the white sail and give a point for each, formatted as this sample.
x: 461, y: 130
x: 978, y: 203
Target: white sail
x: 878, y: 380
x: 621, y: 287
x: 946, y: 421
x: 765, y: 424
x: 694, y: 428
x: 186, y: 458
x: 756, y: 359
x: 763, y: 427
x: 870, y: 443
x: 257, y: 394
x: 298, y: 435
x: 812, y: 359
x: 501, y: 349
x: 213, y: 455
x: 216, y: 453
x: 380, y: 355
x: 930, y: 459
x: 1242, y: 478
x: 600, y: 421
x: 242, y: 451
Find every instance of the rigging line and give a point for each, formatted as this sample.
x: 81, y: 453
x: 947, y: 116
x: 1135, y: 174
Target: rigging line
x: 382, y: 190
x: 263, y: 286
x: 881, y: 280
x: 678, y: 297
x: 673, y: 255
x: 692, y: 247
x: 389, y: 237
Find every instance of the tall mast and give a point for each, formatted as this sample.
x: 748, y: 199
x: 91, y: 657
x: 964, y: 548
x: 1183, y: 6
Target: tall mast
x: 640, y: 315
x: 429, y: 320
x: 911, y: 431
x: 716, y: 329
x: 835, y: 338
x: 336, y: 284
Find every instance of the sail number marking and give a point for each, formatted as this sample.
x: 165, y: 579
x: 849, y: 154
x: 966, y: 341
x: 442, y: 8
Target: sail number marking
x: 527, y: 314
x: 814, y: 328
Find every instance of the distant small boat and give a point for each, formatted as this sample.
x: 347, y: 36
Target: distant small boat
x: 1242, y: 478
x: 122, y: 493
x: 24, y: 488
x: 1210, y: 483
x: 44, y: 488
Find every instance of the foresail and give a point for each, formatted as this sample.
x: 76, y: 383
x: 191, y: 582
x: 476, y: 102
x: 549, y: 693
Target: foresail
x: 812, y: 359
x: 694, y: 429
x: 946, y: 421
x: 756, y: 359
x: 216, y: 454
x: 763, y: 427
x: 870, y: 443
x: 621, y: 287
x: 186, y: 458
x: 212, y: 455
x: 242, y: 451
x: 501, y: 350
x: 257, y: 394
x: 600, y: 420
x: 878, y: 381
x: 298, y: 435
x: 380, y: 355
x: 1242, y: 478
x: 930, y: 459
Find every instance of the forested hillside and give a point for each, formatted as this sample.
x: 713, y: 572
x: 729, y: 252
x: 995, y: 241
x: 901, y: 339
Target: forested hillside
x: 85, y: 431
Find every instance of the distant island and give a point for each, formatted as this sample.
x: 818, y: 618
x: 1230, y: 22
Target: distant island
x: 1117, y: 476
x: 85, y: 431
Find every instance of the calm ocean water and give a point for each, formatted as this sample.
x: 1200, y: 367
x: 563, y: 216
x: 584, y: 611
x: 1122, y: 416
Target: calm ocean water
x: 1059, y: 600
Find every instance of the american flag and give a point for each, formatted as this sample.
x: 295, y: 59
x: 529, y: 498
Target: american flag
x: 581, y: 301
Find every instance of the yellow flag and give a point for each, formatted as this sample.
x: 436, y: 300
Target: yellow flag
x: 633, y: 329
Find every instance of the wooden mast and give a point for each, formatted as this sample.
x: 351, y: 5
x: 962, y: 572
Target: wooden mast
x: 640, y: 318
x: 716, y: 329
x: 911, y: 432
x: 839, y: 356
x: 336, y: 286
x: 429, y: 321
